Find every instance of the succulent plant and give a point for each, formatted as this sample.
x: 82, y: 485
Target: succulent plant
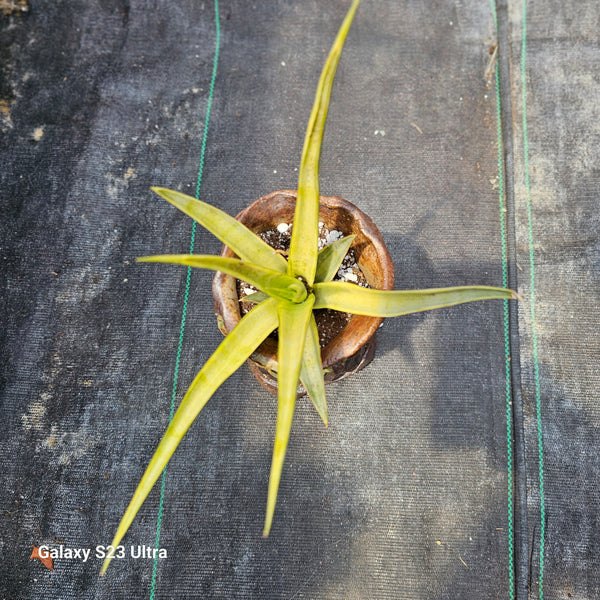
x: 289, y: 291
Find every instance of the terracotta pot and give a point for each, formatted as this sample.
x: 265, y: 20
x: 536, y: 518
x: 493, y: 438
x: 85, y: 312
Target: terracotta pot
x: 354, y: 347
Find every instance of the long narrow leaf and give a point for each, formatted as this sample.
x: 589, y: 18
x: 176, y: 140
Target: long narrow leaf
x: 275, y: 284
x: 303, y: 248
x: 311, y: 370
x: 246, y: 244
x: 349, y: 297
x: 293, y: 323
x: 331, y: 257
x: 227, y: 358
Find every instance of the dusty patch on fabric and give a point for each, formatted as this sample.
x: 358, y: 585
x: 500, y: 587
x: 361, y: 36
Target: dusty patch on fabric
x: 67, y: 446
x: 34, y: 418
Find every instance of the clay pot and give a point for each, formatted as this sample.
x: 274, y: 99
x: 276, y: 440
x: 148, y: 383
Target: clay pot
x: 354, y: 347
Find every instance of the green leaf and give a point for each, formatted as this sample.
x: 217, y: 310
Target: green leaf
x: 248, y: 334
x: 246, y: 244
x: 311, y: 370
x: 349, y: 297
x: 293, y: 323
x: 255, y: 298
x: 278, y: 285
x: 303, y: 247
x: 331, y: 257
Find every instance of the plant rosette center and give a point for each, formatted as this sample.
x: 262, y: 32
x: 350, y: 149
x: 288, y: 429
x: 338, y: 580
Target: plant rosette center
x: 329, y: 322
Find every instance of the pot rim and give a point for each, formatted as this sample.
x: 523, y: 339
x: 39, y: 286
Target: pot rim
x: 369, y: 248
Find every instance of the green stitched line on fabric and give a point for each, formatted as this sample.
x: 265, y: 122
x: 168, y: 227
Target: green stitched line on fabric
x: 187, y: 289
x: 508, y: 390
x: 536, y: 368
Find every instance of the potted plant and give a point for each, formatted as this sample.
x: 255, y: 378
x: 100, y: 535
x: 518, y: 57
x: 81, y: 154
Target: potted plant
x: 291, y: 286
x: 347, y: 342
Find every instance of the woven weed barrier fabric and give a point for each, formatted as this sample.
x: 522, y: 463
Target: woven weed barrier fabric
x: 462, y: 462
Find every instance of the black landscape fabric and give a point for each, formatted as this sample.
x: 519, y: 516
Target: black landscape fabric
x: 462, y: 463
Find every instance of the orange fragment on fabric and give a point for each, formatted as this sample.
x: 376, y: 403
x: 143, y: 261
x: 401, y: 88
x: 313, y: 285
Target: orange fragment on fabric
x: 45, y: 560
